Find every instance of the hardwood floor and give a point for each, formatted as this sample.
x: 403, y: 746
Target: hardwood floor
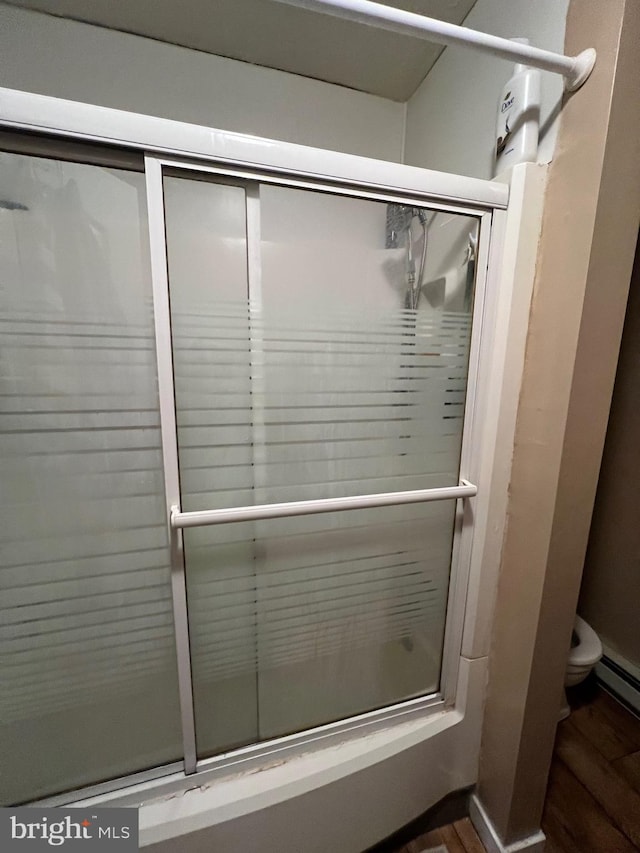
x: 593, y: 799
x: 445, y: 827
x: 458, y: 837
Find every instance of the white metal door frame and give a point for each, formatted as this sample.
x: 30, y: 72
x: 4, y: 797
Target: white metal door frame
x: 86, y: 122
x: 178, y: 520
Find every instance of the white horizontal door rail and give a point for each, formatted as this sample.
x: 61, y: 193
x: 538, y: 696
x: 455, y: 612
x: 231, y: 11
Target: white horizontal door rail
x: 575, y: 69
x: 207, y: 517
x: 87, y: 122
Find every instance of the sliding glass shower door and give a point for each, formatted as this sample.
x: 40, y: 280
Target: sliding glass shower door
x: 320, y: 346
x: 310, y: 345
x: 87, y: 653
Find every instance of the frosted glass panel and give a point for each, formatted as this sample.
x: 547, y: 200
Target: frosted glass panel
x: 336, y: 364
x: 89, y: 689
x: 326, y: 616
x: 361, y: 395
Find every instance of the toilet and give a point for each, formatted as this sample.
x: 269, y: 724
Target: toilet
x: 585, y: 652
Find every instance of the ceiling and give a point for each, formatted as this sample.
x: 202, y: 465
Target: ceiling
x: 268, y: 33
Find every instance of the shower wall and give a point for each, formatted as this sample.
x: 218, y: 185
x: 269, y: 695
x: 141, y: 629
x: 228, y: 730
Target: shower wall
x: 68, y: 59
x: 460, y: 137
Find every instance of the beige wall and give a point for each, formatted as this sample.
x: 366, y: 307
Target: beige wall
x: 610, y: 597
x: 591, y: 218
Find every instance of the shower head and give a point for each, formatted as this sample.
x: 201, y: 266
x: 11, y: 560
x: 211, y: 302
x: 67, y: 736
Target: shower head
x: 399, y: 218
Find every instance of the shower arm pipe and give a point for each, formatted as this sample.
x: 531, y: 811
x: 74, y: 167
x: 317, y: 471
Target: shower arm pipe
x: 258, y: 512
x: 575, y: 69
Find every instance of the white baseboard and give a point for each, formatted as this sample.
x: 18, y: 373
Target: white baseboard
x: 490, y: 838
x: 620, y: 676
x: 630, y: 668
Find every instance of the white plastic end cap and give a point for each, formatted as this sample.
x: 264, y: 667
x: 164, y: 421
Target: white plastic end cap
x: 582, y: 68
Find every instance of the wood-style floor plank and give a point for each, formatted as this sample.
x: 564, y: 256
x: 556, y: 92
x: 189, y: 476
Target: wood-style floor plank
x: 626, y: 724
x: 459, y: 837
x: 609, y: 738
x: 575, y: 821
x: 451, y: 838
x: 620, y: 802
x: 423, y: 842
x: 629, y: 768
x: 469, y: 837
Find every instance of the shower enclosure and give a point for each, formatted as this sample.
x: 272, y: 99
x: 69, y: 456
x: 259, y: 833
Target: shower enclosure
x: 242, y: 402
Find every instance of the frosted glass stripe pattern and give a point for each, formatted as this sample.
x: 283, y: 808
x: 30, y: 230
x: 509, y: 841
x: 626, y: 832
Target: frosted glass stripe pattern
x: 89, y: 688
x: 293, y: 576
x: 333, y: 616
x: 342, y: 412
x: 306, y: 377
